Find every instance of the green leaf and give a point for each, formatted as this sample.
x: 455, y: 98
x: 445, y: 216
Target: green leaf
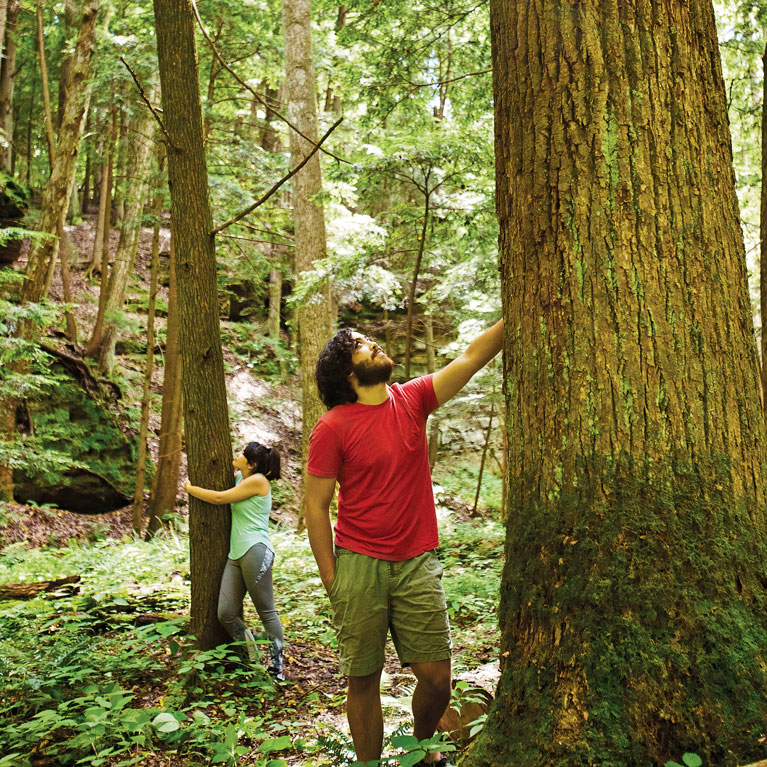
x: 276, y: 763
x: 165, y: 722
x: 275, y: 744
x: 692, y: 760
x: 408, y: 760
x: 405, y: 742
x: 673, y: 764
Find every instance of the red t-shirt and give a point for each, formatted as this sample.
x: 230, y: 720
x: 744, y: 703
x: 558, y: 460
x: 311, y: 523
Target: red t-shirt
x: 380, y: 457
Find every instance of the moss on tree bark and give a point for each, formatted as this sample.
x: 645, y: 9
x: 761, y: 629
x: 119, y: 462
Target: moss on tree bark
x: 634, y: 593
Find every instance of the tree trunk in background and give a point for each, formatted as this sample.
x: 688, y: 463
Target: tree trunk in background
x: 275, y: 296
x: 138, y: 495
x: 165, y: 486
x: 414, y: 281
x: 3, y: 19
x: 65, y: 259
x: 70, y: 19
x: 42, y: 256
x: 314, y: 322
x: 7, y: 71
x: 102, y: 348
x: 100, y: 256
x: 633, y: 594
x: 45, y: 85
x: 209, y: 450
x: 270, y: 138
x: 120, y: 180
x: 431, y: 367
x: 7, y: 431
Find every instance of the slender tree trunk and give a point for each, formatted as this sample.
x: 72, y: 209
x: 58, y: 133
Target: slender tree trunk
x: 205, y: 407
x: 102, y: 348
x: 414, y: 281
x: 42, y: 257
x: 488, y: 433
x: 314, y: 324
x: 66, y: 281
x: 275, y: 298
x: 431, y: 367
x: 138, y: 496
x: 100, y: 255
x: 270, y: 138
x: 45, y: 86
x: 634, y: 591
x: 165, y: 484
x: 3, y: 20
x: 7, y: 71
x: 8, y: 432
x: 70, y: 19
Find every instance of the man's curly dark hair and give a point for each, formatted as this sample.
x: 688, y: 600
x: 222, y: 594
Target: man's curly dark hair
x: 333, y: 368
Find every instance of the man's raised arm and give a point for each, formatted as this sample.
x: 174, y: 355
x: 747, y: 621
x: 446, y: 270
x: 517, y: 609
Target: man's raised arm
x: 319, y: 494
x: 453, y: 377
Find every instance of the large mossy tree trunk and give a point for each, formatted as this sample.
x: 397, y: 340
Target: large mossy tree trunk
x: 206, y: 417
x: 55, y: 202
x: 633, y: 595
x: 314, y: 317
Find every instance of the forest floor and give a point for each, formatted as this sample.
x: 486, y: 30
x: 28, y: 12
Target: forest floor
x: 103, y: 672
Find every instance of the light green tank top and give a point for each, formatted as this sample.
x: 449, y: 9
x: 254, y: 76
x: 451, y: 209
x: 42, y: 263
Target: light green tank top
x: 250, y: 523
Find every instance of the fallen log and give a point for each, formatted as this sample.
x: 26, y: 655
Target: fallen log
x: 31, y: 590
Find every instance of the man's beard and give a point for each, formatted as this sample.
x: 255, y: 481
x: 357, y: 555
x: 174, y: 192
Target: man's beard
x: 374, y: 371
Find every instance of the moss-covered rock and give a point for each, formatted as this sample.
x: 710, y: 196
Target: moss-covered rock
x: 77, y: 454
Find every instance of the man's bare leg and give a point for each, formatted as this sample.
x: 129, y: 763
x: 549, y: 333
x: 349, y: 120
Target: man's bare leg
x: 363, y: 710
x: 431, y: 698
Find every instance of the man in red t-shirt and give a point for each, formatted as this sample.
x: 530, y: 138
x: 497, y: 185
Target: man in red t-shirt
x: 383, y: 574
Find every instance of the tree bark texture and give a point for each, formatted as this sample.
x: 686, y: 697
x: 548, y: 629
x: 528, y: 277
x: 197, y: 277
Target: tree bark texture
x: 206, y: 417
x: 314, y: 322
x: 102, y: 347
x: 70, y: 18
x: 44, y: 83
x: 165, y: 486
x: 7, y: 72
x: 763, y: 243
x: 42, y: 257
x: 633, y: 595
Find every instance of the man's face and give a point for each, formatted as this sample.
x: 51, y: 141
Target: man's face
x: 370, y: 364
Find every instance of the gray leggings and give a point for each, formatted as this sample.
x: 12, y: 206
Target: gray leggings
x: 252, y: 572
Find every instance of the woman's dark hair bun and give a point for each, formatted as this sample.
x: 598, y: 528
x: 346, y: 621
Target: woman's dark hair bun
x: 265, y: 460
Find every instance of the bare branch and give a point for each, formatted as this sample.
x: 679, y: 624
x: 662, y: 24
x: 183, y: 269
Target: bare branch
x: 292, y: 173
x: 151, y: 108
x: 451, y: 80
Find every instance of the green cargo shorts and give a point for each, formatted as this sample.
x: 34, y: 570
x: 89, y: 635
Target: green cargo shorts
x: 371, y: 596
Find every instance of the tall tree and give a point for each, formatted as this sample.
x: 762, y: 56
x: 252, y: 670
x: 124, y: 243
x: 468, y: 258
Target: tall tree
x: 42, y: 257
x: 165, y: 485
x: 315, y: 319
x: 204, y: 393
x: 9, y: 16
x: 633, y: 596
